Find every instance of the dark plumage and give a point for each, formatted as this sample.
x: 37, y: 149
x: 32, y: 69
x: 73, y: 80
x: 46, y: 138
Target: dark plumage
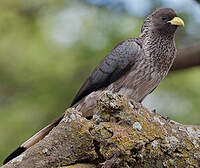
x: 137, y: 65
x: 17, y: 152
x: 133, y: 68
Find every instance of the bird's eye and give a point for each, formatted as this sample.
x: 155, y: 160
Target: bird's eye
x: 164, y: 17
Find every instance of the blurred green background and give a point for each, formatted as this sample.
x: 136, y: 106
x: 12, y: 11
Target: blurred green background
x: 48, y: 48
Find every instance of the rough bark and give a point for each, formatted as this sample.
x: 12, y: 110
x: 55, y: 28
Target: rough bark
x: 187, y: 57
x: 121, y: 133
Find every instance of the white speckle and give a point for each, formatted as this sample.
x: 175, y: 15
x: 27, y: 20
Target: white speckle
x: 165, y: 131
x: 171, y: 161
x: 137, y: 126
x: 47, y: 134
x: 18, y: 158
x: 121, y: 113
x: 173, y: 130
x: 172, y: 140
x: 196, y: 155
x: 73, y: 117
x: 181, y: 128
x: 195, y: 143
x: 131, y: 105
x: 96, y: 118
x: 45, y: 150
x: 112, y: 104
x: 155, y: 144
x: 66, y: 119
x: 192, y: 133
x: 165, y: 163
x: 198, y: 132
x: 158, y: 120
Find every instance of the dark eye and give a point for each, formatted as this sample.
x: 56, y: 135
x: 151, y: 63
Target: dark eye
x: 164, y: 17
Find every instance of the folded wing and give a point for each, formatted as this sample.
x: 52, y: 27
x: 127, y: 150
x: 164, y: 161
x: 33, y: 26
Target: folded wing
x: 113, y: 66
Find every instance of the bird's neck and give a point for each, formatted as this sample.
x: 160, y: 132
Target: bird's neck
x: 159, y: 50
x: 151, y: 35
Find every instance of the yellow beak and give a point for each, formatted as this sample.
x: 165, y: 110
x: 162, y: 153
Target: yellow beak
x: 177, y: 21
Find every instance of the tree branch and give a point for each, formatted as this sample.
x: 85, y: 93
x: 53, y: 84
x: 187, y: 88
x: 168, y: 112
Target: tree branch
x: 121, y: 133
x: 187, y: 57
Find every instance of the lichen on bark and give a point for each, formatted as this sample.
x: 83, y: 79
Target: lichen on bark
x: 121, y: 134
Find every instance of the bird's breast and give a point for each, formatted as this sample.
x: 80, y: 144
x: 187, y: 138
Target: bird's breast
x: 151, y: 67
x: 138, y: 82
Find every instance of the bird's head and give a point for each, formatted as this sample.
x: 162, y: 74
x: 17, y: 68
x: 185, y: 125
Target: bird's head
x: 163, y: 21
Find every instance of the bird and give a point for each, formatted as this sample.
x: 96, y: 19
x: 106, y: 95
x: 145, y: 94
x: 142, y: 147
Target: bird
x: 134, y: 68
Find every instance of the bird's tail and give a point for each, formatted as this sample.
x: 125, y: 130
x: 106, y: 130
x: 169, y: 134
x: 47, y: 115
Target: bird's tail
x: 34, y: 139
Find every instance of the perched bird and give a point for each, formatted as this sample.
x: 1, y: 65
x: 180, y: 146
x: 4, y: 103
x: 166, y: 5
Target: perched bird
x: 133, y: 68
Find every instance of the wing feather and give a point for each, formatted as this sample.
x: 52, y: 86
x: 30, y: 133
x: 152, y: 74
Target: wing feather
x: 111, y: 68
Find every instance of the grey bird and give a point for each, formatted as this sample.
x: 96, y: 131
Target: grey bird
x: 133, y: 68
